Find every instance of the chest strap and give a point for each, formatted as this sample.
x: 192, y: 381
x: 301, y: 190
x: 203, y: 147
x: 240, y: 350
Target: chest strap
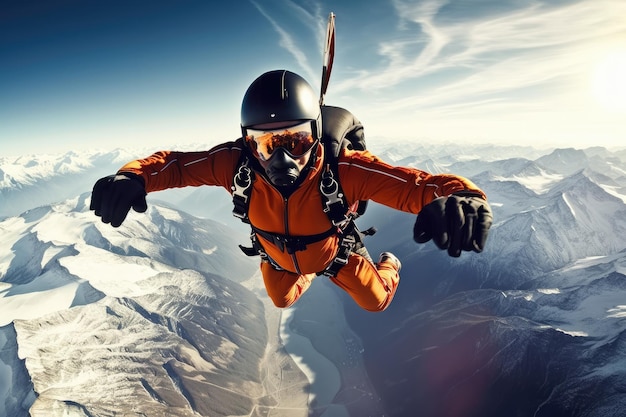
x: 294, y: 243
x: 350, y: 240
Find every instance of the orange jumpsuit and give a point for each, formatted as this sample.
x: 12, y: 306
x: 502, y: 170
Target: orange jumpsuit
x: 362, y: 176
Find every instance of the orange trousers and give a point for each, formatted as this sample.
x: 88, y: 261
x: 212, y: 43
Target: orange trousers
x: 371, y: 286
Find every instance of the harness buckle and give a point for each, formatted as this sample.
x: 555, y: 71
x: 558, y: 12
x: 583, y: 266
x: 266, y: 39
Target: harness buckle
x: 334, y: 204
x: 347, y: 244
x: 241, y: 188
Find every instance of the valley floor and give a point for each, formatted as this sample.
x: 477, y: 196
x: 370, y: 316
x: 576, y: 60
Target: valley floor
x: 319, y: 317
x: 286, y: 387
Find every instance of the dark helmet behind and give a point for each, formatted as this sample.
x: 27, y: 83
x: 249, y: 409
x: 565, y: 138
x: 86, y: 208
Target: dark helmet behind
x: 280, y: 96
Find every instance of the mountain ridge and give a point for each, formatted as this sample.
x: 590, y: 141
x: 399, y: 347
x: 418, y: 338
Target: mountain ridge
x: 534, y: 325
x: 162, y: 321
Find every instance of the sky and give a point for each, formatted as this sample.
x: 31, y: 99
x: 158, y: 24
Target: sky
x: 171, y: 74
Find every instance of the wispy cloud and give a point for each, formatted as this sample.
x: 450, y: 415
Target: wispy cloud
x: 311, y: 20
x: 492, y: 56
x: 514, y: 66
x: 400, y: 54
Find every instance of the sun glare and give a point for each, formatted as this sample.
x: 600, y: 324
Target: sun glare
x: 609, y: 82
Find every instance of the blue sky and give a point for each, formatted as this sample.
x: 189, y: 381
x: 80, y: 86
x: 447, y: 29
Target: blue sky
x: 84, y: 74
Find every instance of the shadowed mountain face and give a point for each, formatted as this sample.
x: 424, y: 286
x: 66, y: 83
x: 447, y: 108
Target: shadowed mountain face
x: 534, y: 325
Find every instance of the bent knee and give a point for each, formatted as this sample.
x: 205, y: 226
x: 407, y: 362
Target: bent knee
x: 284, y: 288
x: 282, y: 301
x: 377, y: 305
x: 378, y: 299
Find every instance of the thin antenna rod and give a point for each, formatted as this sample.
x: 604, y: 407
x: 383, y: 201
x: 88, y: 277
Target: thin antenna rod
x: 329, y: 56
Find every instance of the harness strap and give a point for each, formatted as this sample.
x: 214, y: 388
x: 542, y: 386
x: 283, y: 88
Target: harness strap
x: 241, y: 190
x: 346, y: 245
x: 333, y: 198
x: 350, y: 240
x: 294, y: 243
x: 257, y: 249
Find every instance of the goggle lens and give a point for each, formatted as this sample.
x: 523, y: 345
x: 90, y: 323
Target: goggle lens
x: 296, y: 140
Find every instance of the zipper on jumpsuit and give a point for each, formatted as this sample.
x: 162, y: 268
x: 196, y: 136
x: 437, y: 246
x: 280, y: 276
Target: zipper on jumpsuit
x: 286, y: 219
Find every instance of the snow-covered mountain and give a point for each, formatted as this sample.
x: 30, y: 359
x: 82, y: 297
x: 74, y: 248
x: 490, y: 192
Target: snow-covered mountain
x: 154, y: 312
x: 147, y: 319
x: 33, y: 180
x: 534, y: 325
x: 30, y: 181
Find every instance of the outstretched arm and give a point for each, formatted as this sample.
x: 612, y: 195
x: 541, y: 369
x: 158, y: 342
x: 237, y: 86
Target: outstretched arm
x: 113, y: 196
x: 452, y: 210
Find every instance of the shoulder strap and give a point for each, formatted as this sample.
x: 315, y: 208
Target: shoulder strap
x: 341, y: 129
x: 242, y: 187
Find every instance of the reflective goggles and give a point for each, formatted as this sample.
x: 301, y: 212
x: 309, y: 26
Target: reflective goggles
x: 296, y: 140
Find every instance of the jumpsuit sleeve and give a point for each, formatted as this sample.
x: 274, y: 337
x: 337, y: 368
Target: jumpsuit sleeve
x: 170, y: 169
x: 363, y: 176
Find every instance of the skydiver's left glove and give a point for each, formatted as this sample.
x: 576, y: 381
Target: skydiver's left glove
x: 458, y: 222
x: 113, y: 196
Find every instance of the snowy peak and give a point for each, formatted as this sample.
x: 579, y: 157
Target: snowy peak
x: 167, y: 353
x: 546, y: 222
x: 39, y: 237
x: 150, y: 307
x: 564, y: 161
x: 27, y: 170
x: 30, y: 181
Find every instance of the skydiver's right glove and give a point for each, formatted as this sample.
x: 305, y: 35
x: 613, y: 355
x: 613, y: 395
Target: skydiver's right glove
x: 458, y: 222
x: 113, y: 196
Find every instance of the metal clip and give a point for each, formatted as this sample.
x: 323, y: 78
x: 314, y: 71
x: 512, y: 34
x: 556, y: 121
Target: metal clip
x: 347, y: 245
x: 329, y: 187
x: 242, y: 181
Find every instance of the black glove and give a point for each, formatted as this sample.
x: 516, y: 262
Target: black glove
x: 113, y: 196
x: 458, y: 222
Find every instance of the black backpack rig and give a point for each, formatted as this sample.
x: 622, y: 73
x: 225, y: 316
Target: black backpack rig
x: 340, y: 129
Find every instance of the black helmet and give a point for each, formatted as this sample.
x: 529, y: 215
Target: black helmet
x: 280, y: 96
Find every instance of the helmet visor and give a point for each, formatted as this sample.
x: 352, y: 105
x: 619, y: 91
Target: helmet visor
x: 295, y: 140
